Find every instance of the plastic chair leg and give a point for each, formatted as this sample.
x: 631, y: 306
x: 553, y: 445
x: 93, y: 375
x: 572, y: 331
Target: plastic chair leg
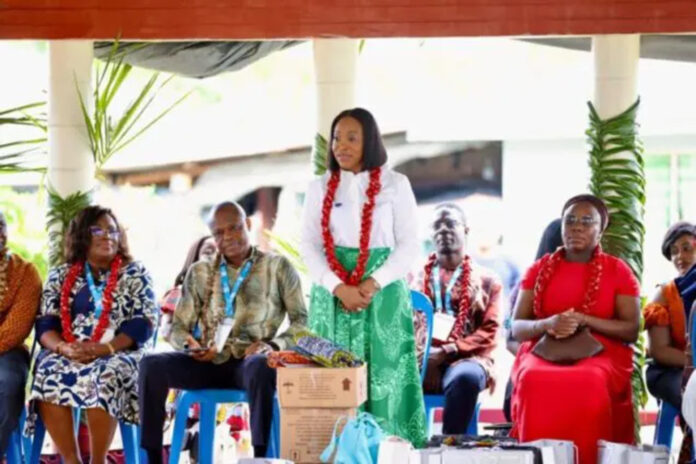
x: 664, y: 428
x: 273, y: 450
x: 76, y: 420
x: 438, y: 401
x: 128, y: 437
x: 206, y: 434
x: 13, y: 453
x: 37, y: 442
x: 182, y: 410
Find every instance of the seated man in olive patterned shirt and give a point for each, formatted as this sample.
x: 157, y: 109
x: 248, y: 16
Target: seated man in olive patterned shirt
x: 239, y: 301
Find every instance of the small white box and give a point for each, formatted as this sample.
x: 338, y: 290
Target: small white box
x: 426, y: 456
x: 487, y: 456
x: 564, y: 452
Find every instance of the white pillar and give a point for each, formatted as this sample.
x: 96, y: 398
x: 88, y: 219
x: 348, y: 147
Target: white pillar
x: 335, y: 62
x: 70, y: 165
x: 616, y: 70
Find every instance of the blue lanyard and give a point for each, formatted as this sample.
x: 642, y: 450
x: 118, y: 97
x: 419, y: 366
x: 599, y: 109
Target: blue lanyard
x: 97, y: 292
x: 448, y: 290
x: 231, y: 294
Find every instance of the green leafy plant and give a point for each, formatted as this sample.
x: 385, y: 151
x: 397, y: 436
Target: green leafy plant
x: 287, y: 248
x: 60, y: 213
x: 108, y: 133
x: 320, y: 153
x: 29, y: 152
x: 618, y: 178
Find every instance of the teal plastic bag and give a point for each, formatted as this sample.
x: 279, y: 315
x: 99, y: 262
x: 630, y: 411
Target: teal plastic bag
x: 358, y: 442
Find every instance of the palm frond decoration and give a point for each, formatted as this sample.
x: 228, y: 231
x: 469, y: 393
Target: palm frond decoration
x: 287, y: 248
x: 618, y: 178
x: 60, y: 213
x: 29, y: 152
x: 320, y: 153
x: 108, y: 133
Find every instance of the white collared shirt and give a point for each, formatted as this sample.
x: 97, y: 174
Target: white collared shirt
x: 393, y: 224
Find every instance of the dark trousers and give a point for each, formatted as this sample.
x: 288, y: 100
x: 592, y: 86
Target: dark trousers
x: 664, y: 383
x: 508, y: 401
x: 14, y: 365
x: 461, y: 384
x: 160, y: 372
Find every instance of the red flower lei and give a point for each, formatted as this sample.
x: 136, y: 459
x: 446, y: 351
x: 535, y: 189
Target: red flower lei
x: 354, y: 277
x: 65, y: 318
x: 465, y: 300
x: 549, y: 263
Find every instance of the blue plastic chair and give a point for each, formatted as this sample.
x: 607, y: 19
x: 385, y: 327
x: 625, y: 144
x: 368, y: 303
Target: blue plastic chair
x: 208, y: 400
x: 664, y: 427
x: 130, y: 436
x: 14, y: 454
x: 423, y: 304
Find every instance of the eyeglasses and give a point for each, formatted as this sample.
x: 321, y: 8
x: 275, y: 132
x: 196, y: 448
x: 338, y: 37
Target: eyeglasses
x: 101, y: 233
x: 584, y: 221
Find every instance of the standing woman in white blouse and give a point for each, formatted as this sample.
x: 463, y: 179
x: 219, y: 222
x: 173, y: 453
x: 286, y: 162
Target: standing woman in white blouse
x: 358, y: 241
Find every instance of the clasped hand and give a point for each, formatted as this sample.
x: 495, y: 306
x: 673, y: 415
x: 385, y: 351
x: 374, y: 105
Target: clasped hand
x: 565, y: 324
x: 84, y: 352
x: 355, y: 298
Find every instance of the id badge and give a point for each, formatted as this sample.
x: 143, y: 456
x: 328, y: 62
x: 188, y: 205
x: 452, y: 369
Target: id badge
x: 108, y: 335
x: 442, y: 326
x: 222, y: 333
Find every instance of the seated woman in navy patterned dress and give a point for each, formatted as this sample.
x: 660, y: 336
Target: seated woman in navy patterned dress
x: 97, y: 313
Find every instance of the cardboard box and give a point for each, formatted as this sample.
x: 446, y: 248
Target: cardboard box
x: 305, y: 433
x: 321, y: 387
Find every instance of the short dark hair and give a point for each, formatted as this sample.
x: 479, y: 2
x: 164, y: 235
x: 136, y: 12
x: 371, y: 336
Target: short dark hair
x: 193, y: 255
x: 78, y: 237
x: 596, y: 202
x: 551, y: 239
x: 225, y: 205
x: 374, y: 153
x: 453, y: 207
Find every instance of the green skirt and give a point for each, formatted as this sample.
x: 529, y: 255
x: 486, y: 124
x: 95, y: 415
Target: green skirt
x: 382, y: 335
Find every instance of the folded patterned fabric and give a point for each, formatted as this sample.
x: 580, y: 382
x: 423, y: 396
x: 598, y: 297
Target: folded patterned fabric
x: 277, y: 359
x: 325, y: 352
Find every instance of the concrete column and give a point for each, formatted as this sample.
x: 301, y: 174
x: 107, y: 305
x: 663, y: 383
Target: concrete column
x: 335, y: 63
x: 616, y: 71
x: 71, y: 165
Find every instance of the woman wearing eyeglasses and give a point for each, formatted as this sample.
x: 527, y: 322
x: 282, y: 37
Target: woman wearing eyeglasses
x: 578, y: 286
x: 97, y: 313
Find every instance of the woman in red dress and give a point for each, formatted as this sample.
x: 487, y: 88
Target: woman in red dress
x: 577, y: 286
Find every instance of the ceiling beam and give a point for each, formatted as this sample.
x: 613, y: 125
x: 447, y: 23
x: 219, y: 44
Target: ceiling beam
x: 280, y: 19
